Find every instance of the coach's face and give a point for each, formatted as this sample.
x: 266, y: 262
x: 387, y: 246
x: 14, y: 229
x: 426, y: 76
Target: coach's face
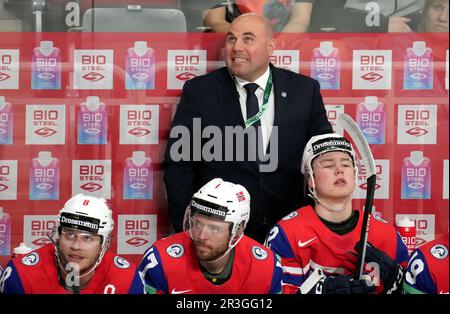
x: 249, y: 44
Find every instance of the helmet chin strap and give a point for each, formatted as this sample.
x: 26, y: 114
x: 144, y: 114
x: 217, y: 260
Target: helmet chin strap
x: 325, y: 204
x: 61, y: 258
x: 230, y: 247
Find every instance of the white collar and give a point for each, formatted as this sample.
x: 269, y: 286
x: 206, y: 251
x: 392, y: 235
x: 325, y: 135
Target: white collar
x: 261, y: 81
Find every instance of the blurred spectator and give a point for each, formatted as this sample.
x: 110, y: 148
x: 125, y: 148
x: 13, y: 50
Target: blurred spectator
x: 434, y: 16
x: 400, y: 15
x: 363, y: 15
x: 285, y: 15
x: 322, y: 15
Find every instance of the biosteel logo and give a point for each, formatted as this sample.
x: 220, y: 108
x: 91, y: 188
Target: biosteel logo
x: 183, y: 65
x: 91, y: 186
x: 140, y: 119
x: 135, y: 233
x: 45, y: 132
x: 93, y: 69
x: 4, y: 76
x: 45, y: 124
x: 372, y: 77
x: 417, y: 123
x: 372, y: 69
x: 286, y: 59
x: 8, y: 180
x: 91, y: 173
x: 45, y: 118
x: 139, y: 124
x: 417, y: 132
x: 185, y: 76
x: 93, y: 77
x: 417, y: 118
x: 363, y: 173
x: 38, y: 228
x: 188, y: 64
x: 92, y: 177
x: 139, y: 132
x: 137, y: 241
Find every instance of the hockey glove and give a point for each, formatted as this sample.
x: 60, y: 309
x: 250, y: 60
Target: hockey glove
x: 391, y: 273
x: 341, y: 285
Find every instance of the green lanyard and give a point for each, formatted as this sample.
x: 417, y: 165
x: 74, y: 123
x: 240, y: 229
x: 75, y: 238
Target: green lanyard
x: 250, y: 121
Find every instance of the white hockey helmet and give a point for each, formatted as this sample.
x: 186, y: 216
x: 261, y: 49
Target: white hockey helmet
x: 90, y: 214
x: 324, y: 143
x: 224, y: 201
x: 87, y: 213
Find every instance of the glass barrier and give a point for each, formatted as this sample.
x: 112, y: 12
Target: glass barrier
x: 88, y: 90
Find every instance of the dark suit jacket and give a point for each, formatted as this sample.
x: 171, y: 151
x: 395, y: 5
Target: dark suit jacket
x: 213, y: 97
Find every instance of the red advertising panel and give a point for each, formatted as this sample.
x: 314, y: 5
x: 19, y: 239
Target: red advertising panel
x: 90, y: 113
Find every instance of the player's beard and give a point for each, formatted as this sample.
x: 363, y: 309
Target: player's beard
x: 206, y: 252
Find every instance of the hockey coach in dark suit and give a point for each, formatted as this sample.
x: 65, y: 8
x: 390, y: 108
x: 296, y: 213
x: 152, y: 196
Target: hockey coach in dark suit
x: 247, y: 123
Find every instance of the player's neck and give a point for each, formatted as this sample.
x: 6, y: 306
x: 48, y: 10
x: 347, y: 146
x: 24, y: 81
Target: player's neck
x: 83, y: 281
x: 326, y: 213
x: 217, y: 266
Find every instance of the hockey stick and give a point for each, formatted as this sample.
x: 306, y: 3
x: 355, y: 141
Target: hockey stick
x: 366, y: 155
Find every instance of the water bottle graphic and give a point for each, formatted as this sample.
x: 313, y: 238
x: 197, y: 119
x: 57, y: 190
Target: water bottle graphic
x: 138, y: 177
x: 325, y: 65
x: 140, y: 67
x: 5, y: 233
x: 416, y: 176
x: 418, y: 67
x: 6, y: 122
x: 46, y: 67
x: 407, y: 230
x: 370, y: 117
x: 44, y: 177
x: 92, y: 122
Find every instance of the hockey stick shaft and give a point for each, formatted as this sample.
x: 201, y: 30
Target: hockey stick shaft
x: 371, y: 181
x: 361, y: 144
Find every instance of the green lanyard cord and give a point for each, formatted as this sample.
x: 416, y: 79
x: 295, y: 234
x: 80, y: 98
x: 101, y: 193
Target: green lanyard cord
x: 250, y: 121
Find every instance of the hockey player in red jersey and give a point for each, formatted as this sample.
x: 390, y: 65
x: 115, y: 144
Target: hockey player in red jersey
x: 317, y: 243
x: 212, y: 255
x: 77, y: 261
x: 427, y: 271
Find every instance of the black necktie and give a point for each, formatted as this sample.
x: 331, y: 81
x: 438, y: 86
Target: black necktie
x: 253, y: 109
x: 252, y: 101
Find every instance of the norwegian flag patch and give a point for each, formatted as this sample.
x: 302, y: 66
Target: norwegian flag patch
x: 240, y: 196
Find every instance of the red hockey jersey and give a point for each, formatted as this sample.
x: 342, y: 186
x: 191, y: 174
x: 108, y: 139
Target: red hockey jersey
x: 37, y: 272
x: 305, y: 243
x: 171, y: 266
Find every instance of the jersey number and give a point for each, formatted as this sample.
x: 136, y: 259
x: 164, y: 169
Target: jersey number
x: 415, y: 268
x: 3, y: 278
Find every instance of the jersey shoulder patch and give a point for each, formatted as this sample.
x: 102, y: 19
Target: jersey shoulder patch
x: 175, y: 250
x: 376, y: 217
x: 439, y: 251
x: 31, y: 259
x: 120, y: 262
x: 259, y: 253
x: 290, y: 215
